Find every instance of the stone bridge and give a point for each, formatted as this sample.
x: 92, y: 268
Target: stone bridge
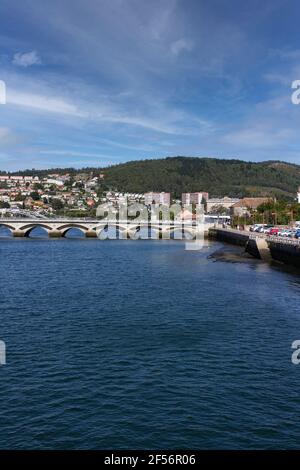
x: 97, y: 228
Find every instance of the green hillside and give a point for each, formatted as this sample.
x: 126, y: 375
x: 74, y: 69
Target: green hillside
x: 233, y: 178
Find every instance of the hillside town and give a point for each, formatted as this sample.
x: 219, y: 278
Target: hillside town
x: 78, y: 195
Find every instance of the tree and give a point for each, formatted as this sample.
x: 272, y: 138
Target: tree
x: 57, y: 204
x: 277, y: 212
x: 219, y: 209
x: 35, y: 196
x: 38, y: 186
x: 4, y: 205
x: 20, y: 197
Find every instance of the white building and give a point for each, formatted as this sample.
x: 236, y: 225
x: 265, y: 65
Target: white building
x: 193, y: 198
x: 157, y: 198
x: 54, y: 182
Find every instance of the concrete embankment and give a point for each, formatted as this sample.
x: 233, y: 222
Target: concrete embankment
x: 285, y: 251
x: 235, y: 237
x: 262, y: 247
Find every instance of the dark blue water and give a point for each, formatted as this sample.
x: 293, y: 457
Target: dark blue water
x: 124, y: 344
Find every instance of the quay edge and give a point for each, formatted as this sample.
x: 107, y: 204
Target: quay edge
x: 286, y: 251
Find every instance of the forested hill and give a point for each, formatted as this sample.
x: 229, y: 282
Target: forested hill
x: 184, y: 174
x: 218, y: 177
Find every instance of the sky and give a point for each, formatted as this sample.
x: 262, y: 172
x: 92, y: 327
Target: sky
x: 98, y: 82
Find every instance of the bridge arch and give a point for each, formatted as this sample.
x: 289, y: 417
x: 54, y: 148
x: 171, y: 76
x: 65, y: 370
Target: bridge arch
x: 34, y: 225
x: 27, y: 229
x: 76, y: 229
x: 64, y: 229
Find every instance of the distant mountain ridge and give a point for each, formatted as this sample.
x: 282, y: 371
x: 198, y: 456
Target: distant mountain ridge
x: 235, y: 178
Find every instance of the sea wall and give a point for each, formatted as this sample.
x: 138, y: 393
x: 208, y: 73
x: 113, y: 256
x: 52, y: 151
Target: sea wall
x: 285, y: 251
x: 235, y: 237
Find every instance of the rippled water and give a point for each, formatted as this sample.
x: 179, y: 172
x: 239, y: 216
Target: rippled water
x: 124, y: 344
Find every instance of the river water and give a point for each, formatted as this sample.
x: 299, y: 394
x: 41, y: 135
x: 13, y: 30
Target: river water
x: 142, y: 344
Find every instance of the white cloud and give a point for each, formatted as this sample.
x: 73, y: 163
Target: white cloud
x: 160, y: 117
x: 155, y: 124
x: 181, y: 45
x: 26, y: 59
x: 43, y: 103
x: 107, y: 114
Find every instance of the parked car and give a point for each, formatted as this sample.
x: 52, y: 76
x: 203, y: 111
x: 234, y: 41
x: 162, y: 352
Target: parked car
x: 285, y: 232
x: 297, y: 234
x: 262, y: 228
x: 273, y: 231
x: 267, y: 229
x: 255, y: 227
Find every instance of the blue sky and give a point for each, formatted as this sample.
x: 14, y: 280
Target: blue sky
x: 97, y: 82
